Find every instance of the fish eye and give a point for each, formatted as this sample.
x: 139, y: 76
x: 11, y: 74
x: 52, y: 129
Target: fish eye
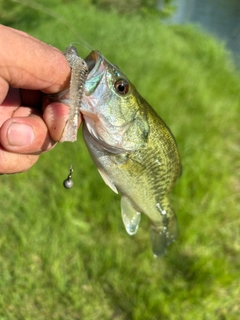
x: 121, y: 86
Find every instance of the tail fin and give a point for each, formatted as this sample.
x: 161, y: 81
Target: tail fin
x: 162, y: 236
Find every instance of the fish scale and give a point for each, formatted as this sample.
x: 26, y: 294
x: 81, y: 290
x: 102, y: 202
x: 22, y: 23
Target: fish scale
x: 133, y: 149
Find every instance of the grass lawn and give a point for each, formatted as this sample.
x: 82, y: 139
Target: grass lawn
x: 64, y: 254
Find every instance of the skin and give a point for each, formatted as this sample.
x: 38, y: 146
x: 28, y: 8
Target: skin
x: 29, y: 123
x: 132, y: 148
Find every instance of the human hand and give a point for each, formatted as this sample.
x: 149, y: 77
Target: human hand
x: 29, y: 123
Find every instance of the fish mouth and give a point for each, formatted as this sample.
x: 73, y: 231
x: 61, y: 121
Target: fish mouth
x: 96, y: 69
x: 94, y: 62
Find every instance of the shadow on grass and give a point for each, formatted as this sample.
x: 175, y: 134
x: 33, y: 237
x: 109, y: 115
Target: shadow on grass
x: 161, y: 285
x: 191, y: 268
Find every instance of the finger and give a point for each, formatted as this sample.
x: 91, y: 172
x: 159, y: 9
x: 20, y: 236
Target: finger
x: 25, y: 135
x: 11, y: 106
x: 12, y: 99
x: 36, y: 66
x: 17, y: 97
x: 31, y: 98
x: 56, y: 115
x: 14, y: 163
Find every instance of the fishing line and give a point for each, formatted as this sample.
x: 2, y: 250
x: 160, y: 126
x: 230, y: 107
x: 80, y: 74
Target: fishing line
x: 68, y: 182
x: 58, y: 17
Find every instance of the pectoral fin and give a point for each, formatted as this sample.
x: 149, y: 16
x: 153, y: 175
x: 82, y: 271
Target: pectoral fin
x: 107, y: 181
x: 131, y: 217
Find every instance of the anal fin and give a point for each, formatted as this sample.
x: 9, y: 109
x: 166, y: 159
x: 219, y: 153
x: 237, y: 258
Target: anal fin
x: 131, y: 217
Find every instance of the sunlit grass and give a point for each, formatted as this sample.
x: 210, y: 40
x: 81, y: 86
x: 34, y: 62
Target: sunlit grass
x: 64, y: 254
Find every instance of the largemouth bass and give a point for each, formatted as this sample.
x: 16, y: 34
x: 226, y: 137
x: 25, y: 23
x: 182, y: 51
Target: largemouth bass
x: 133, y: 149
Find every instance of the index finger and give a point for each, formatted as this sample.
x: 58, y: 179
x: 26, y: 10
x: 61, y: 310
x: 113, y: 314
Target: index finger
x: 28, y: 63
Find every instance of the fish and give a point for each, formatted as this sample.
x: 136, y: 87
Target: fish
x: 132, y: 147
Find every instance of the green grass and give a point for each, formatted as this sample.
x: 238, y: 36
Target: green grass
x: 64, y: 254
